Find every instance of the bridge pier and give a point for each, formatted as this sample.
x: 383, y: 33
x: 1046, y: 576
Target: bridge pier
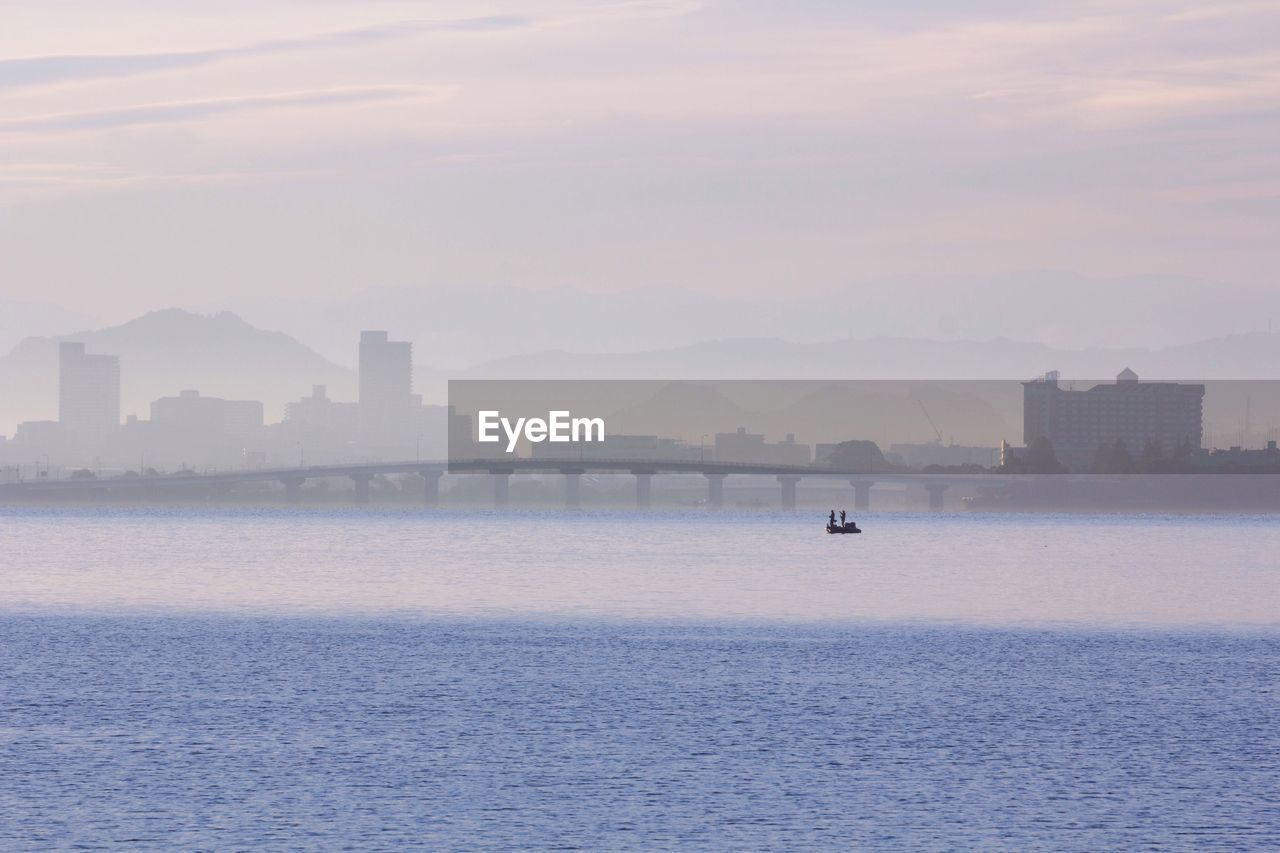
x: 788, y: 482
x: 362, y: 487
x: 572, y: 487
x: 936, y: 491
x: 644, y: 489
x: 862, y: 494
x: 431, y: 486
x: 501, y: 486
x: 292, y: 489
x: 715, y: 490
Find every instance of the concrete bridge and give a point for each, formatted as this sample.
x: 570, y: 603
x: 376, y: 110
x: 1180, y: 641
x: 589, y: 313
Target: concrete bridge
x: 501, y: 470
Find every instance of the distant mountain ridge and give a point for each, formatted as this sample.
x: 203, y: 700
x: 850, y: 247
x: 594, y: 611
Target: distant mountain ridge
x: 1254, y: 355
x: 19, y: 320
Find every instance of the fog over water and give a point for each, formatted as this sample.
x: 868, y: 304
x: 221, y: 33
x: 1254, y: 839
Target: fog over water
x: 1081, y: 570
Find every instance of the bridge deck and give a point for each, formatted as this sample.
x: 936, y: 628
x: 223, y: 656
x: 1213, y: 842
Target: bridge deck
x: 493, y: 465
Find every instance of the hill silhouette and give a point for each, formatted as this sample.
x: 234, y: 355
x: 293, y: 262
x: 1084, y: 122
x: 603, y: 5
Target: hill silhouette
x: 166, y: 351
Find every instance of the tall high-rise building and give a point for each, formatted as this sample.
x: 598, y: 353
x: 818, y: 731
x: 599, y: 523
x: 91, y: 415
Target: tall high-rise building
x: 386, y: 388
x: 1077, y: 423
x: 88, y: 391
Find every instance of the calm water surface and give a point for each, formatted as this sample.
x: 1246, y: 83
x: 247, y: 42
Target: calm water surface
x: 237, y: 678
x: 988, y: 569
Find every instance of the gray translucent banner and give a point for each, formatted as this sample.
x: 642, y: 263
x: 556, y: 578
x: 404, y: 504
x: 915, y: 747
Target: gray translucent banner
x: 989, y: 443
x: 1116, y: 426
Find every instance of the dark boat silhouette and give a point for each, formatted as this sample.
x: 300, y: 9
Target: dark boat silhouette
x: 843, y: 526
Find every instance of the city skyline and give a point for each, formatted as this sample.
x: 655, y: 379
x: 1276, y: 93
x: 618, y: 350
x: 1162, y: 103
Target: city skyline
x: 1150, y: 432
x: 241, y: 364
x: 1087, y: 429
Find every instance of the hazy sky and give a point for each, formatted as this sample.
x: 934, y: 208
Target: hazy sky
x: 953, y: 168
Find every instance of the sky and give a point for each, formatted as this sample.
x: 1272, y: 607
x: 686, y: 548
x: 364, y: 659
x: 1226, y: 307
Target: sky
x: 483, y: 177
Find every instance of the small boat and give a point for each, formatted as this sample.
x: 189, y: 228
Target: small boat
x: 847, y: 527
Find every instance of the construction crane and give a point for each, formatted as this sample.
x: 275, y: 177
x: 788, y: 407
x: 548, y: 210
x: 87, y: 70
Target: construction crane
x: 938, y: 440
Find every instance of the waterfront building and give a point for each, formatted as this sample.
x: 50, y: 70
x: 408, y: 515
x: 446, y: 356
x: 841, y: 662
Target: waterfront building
x: 743, y: 446
x: 1168, y: 415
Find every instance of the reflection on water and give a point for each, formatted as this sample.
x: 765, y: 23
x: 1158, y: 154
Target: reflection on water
x: 981, y: 569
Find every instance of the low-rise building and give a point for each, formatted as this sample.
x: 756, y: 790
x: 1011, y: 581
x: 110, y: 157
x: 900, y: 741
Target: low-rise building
x: 936, y: 453
x: 1240, y: 459
x: 196, y: 415
x: 743, y: 446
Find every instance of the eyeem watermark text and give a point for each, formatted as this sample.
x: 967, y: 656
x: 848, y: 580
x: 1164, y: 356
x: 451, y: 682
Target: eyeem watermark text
x: 559, y: 426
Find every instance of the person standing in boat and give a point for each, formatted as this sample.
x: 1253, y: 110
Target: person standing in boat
x: 842, y: 522
x: 833, y: 518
